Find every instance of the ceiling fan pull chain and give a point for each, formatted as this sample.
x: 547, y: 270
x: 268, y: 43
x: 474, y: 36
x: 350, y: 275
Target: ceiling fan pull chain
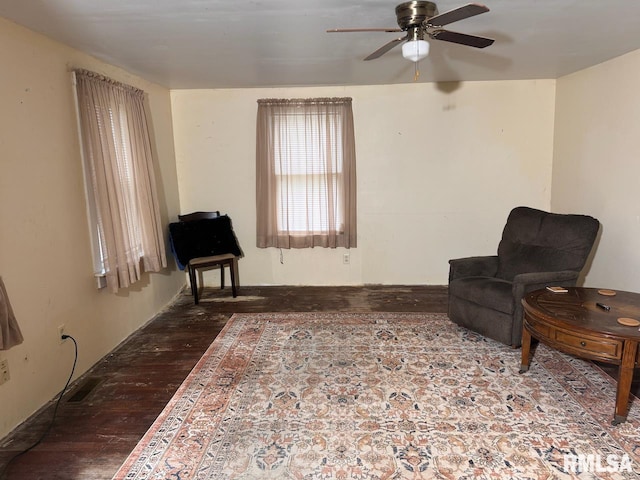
x: 416, y: 74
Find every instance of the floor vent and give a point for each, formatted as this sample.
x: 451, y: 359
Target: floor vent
x: 85, y: 390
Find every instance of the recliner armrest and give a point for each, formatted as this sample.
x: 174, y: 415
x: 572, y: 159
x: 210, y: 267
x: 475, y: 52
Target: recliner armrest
x: 524, y: 283
x: 563, y: 277
x: 486, y: 266
x: 527, y: 282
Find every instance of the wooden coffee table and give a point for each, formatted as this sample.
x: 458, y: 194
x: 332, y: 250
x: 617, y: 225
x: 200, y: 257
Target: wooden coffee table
x: 572, y: 322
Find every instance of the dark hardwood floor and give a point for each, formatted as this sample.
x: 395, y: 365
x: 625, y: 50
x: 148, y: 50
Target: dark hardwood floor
x: 106, y: 411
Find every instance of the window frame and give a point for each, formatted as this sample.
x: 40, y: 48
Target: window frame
x: 285, y: 129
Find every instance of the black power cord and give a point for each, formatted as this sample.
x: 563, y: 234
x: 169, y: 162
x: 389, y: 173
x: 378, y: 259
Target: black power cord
x: 55, y: 410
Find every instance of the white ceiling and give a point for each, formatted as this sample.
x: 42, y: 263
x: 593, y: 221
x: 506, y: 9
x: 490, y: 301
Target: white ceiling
x: 265, y: 43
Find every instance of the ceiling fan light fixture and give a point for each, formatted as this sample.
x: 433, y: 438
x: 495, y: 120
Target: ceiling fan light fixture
x: 415, y: 50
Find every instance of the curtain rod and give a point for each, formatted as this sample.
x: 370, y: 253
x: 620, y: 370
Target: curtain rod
x: 104, y: 78
x: 305, y: 101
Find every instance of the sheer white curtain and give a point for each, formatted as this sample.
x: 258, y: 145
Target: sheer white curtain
x: 10, y: 334
x: 119, y: 162
x: 305, y: 173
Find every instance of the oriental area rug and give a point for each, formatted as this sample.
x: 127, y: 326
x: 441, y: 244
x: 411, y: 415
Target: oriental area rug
x: 383, y: 396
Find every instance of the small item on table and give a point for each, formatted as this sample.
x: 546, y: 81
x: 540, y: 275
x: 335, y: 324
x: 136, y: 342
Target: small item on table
x: 607, y: 292
x: 606, y: 308
x: 628, y: 322
x: 557, y: 289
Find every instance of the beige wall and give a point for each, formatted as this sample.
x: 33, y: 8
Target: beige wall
x: 45, y: 258
x: 438, y: 173
x: 596, y: 167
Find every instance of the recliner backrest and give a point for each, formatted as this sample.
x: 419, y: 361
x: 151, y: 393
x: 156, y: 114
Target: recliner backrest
x: 538, y: 241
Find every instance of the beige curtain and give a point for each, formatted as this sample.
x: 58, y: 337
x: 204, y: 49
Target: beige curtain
x: 305, y: 173
x: 117, y: 151
x: 10, y: 334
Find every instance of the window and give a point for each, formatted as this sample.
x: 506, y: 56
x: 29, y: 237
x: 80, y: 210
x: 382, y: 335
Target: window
x: 121, y: 193
x: 306, y: 180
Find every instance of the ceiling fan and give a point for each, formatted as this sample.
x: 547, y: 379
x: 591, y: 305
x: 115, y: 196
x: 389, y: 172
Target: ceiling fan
x: 420, y: 18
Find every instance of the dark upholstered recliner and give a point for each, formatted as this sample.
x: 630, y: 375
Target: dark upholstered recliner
x: 537, y: 249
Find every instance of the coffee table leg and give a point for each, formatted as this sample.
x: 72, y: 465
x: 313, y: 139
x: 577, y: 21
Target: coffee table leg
x: 526, y: 349
x: 625, y: 378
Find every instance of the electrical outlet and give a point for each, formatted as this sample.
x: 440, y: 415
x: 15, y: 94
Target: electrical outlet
x: 61, y: 331
x: 4, y: 371
x: 346, y: 258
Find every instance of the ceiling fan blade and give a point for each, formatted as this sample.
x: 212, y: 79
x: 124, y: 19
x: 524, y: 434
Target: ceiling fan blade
x: 348, y: 30
x: 461, y: 38
x: 460, y: 13
x: 386, y: 47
